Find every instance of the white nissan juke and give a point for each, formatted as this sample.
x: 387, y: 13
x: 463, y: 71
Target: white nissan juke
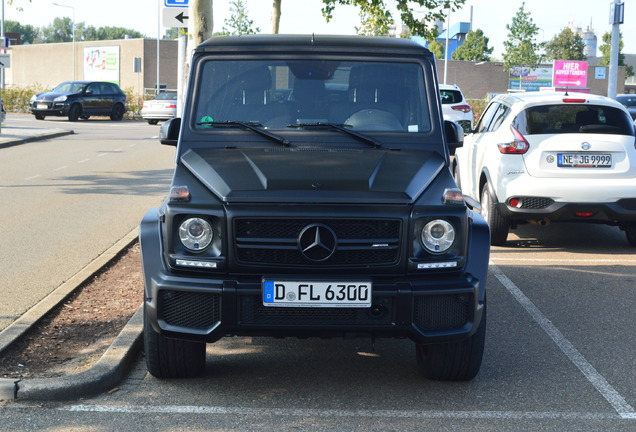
x: 550, y: 157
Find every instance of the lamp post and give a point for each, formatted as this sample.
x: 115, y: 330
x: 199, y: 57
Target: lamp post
x: 74, y: 55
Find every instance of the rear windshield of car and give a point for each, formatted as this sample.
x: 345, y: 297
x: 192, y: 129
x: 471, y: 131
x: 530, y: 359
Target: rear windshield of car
x: 573, y: 118
x: 450, y: 96
x: 283, y: 94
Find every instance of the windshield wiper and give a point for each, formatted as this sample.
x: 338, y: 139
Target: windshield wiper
x: 341, y: 127
x: 253, y: 126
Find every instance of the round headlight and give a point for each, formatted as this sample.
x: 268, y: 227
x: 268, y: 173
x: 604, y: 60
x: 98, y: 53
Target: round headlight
x: 438, y: 236
x: 196, y: 234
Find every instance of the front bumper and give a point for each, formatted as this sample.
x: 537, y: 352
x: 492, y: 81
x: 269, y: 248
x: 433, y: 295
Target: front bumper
x: 433, y: 307
x: 49, y: 108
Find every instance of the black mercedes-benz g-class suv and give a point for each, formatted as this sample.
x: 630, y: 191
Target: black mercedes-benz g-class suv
x: 312, y: 196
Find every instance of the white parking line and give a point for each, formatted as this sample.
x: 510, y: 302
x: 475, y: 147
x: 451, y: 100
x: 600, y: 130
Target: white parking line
x: 625, y: 410
x: 33, y: 177
x: 330, y: 413
x: 563, y: 260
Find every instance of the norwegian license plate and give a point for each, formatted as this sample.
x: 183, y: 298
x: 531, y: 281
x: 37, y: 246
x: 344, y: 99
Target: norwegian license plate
x: 286, y: 293
x: 41, y: 106
x: 584, y: 160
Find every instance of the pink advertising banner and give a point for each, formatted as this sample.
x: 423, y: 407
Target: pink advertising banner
x: 569, y: 73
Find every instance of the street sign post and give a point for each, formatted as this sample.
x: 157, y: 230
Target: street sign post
x: 175, y: 16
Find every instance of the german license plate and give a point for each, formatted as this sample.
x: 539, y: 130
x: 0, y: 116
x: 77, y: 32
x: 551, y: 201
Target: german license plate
x: 287, y: 293
x: 41, y: 106
x: 584, y: 160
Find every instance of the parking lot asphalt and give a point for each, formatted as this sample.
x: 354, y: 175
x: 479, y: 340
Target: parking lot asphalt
x: 114, y: 363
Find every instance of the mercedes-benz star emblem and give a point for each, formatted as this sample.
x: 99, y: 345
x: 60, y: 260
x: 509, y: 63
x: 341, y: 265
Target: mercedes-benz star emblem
x: 317, y: 242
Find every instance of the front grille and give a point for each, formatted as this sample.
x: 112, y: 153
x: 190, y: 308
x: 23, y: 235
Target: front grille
x: 275, y: 241
x: 254, y: 313
x: 442, y: 312
x: 188, y: 309
x: 536, y: 203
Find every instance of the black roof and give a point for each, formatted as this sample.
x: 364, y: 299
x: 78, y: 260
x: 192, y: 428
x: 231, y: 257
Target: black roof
x: 324, y: 43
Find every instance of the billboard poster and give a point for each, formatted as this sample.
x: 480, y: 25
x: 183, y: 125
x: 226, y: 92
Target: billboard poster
x: 570, y: 73
x: 101, y: 64
x: 530, y: 79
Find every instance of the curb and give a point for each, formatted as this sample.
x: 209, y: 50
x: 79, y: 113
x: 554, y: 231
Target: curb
x: 110, y: 368
x: 18, y: 141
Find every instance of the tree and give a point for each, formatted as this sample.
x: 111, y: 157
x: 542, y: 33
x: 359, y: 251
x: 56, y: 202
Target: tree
x: 28, y: 33
x: 435, y: 10
x: 474, y: 48
x: 238, y: 22
x: 61, y: 30
x: 567, y: 45
x: 436, y: 48
x: 276, y: 16
x: 520, y: 48
x: 375, y: 22
x: 606, y: 48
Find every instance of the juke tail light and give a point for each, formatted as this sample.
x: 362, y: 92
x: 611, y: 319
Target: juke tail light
x: 518, y: 146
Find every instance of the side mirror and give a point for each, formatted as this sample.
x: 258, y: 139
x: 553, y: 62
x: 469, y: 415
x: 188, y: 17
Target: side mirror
x: 454, y: 135
x: 169, y: 131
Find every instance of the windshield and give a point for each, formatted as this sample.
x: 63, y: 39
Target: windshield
x: 573, y: 118
x: 278, y: 94
x: 69, y: 87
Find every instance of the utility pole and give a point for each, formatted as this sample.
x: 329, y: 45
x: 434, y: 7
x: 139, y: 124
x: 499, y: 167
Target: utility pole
x: 617, y: 15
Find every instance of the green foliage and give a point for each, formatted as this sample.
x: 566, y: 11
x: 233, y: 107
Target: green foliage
x: 239, y: 23
x: 606, y: 49
x: 28, y: 32
x: 419, y: 26
x: 474, y: 48
x: 520, y: 48
x: 16, y: 99
x: 478, y: 106
x: 133, y: 102
x: 567, y: 45
x: 436, y: 48
x: 375, y: 22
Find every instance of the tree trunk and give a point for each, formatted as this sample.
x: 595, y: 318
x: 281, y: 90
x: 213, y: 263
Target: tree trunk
x: 199, y: 29
x: 275, y: 16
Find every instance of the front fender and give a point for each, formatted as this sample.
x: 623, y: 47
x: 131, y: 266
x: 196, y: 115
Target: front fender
x: 479, y: 251
x: 150, y: 243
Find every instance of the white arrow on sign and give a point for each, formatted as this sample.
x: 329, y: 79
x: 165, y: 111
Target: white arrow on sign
x: 175, y: 17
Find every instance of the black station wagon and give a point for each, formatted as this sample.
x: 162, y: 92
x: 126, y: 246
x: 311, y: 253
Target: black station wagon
x: 80, y: 99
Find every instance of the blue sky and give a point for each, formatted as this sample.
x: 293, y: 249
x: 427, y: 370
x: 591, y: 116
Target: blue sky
x: 303, y: 16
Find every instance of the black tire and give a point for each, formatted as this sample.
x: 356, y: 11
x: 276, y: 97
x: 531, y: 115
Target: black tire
x: 117, y: 113
x: 74, y: 112
x: 630, y: 233
x: 153, y: 122
x: 454, y: 361
x: 39, y: 117
x: 172, y: 358
x: 499, y: 225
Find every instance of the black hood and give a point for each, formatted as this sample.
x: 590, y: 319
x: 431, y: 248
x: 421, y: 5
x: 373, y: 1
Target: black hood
x: 314, y: 174
x: 52, y: 95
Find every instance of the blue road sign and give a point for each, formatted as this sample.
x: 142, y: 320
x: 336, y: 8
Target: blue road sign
x: 175, y: 3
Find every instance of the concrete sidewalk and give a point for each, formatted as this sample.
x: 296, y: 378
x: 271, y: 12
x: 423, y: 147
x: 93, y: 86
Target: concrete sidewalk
x: 12, y: 135
x: 115, y: 362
